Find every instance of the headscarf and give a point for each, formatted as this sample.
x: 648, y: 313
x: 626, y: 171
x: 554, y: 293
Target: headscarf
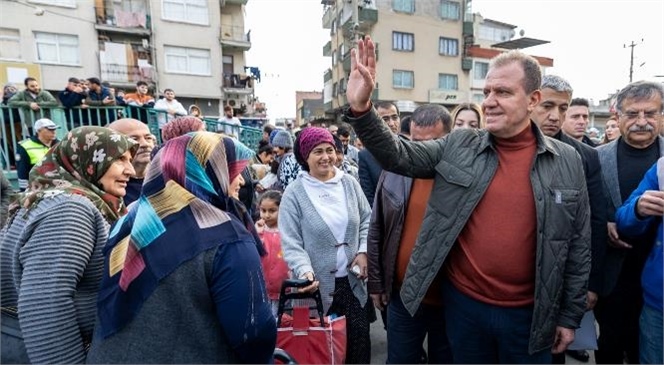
x: 184, y: 209
x: 75, y: 165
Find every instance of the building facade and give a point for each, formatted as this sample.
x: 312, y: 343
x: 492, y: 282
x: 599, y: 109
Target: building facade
x: 195, y: 47
x: 428, y: 51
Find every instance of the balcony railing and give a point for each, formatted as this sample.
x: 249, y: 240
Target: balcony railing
x: 16, y: 124
x: 114, y: 19
x: 234, y: 36
x: 112, y: 72
x: 238, y: 81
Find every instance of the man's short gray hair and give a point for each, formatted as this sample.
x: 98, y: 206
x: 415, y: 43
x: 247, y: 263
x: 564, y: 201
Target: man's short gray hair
x: 640, y: 90
x: 556, y: 83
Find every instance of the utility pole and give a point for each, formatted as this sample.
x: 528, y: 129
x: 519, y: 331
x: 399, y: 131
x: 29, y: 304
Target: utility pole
x: 631, y: 58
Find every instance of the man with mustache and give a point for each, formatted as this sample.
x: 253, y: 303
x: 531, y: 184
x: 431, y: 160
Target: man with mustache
x: 624, y: 163
x: 139, y: 132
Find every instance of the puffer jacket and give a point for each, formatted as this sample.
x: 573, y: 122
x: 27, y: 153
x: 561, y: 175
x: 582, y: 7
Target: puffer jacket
x: 463, y: 164
x: 385, y: 228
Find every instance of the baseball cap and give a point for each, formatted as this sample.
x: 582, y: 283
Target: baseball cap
x: 45, y: 123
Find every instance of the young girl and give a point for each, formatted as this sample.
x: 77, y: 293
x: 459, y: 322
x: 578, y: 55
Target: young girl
x: 274, y: 266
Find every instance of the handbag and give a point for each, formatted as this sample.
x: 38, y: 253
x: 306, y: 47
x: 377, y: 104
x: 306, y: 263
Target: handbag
x: 319, y: 340
x: 12, y: 347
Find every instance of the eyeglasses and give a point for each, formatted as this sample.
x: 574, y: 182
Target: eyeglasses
x: 387, y: 118
x: 634, y: 115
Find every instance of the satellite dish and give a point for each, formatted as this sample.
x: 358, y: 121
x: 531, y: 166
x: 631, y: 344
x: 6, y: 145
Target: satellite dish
x: 522, y: 32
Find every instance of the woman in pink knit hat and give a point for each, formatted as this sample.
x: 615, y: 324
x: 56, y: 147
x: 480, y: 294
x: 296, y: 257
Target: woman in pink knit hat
x: 324, y: 221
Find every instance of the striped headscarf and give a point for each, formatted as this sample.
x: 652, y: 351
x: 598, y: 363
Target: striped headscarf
x: 184, y: 209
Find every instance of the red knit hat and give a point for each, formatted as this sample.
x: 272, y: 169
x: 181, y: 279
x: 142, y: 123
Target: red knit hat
x: 312, y: 137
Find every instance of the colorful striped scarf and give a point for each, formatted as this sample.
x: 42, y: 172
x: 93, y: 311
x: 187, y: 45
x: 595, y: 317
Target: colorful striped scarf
x: 184, y: 209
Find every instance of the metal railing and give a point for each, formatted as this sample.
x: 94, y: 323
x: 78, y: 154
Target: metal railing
x: 125, y: 73
x: 16, y: 124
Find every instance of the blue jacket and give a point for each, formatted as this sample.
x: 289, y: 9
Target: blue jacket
x: 630, y: 223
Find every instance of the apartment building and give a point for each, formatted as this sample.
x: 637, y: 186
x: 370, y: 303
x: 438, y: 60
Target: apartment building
x: 309, y: 107
x: 195, y: 47
x: 428, y: 51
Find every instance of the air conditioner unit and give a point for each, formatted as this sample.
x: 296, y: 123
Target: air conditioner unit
x: 233, y: 102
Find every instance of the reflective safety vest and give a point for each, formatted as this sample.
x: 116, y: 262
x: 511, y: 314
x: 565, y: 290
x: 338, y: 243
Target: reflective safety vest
x: 36, y: 151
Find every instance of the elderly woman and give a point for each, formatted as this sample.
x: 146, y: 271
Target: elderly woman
x: 467, y: 115
x: 324, y: 220
x: 183, y: 280
x: 51, y: 249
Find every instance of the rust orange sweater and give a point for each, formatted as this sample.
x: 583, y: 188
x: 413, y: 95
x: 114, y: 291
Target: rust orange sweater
x: 493, y: 260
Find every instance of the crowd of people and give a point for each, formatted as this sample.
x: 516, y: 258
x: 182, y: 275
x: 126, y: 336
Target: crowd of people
x: 489, y: 231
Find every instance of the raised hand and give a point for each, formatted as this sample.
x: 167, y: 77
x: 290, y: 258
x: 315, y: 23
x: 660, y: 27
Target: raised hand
x: 362, y: 79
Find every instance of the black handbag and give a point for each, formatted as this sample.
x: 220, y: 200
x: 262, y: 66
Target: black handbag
x: 12, y: 346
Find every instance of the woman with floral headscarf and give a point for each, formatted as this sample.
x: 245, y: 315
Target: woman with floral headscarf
x: 183, y: 280
x: 51, y: 248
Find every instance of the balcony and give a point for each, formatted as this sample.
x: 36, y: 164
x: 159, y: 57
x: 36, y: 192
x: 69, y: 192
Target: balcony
x: 233, y: 38
x: 126, y: 75
x: 468, y: 28
x: 327, y: 76
x: 466, y: 64
x: 328, y: 17
x: 327, y: 49
x: 233, y: 2
x: 238, y: 84
x: 366, y: 18
x: 113, y: 18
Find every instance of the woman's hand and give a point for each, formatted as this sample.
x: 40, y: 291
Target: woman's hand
x: 311, y: 288
x: 361, y: 261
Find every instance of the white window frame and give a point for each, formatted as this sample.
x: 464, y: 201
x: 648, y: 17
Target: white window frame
x: 478, y: 98
x: 404, y: 42
x: 448, y: 46
x: 60, y: 3
x: 184, y: 15
x: 403, y: 73
x: 446, y: 7
x: 480, y: 68
x: 404, y: 6
x: 11, y: 38
x: 58, y: 45
x: 443, y: 81
x: 187, y: 54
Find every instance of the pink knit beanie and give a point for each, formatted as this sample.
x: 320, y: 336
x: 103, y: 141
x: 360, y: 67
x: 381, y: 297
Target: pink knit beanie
x: 312, y: 137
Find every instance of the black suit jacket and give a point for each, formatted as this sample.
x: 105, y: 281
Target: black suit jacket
x: 598, y: 209
x: 369, y: 170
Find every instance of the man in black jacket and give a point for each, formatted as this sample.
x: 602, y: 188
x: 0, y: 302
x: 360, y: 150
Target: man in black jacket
x: 549, y: 116
x: 73, y: 96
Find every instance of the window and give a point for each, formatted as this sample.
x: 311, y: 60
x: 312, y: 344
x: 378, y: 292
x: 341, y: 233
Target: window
x: 192, y: 61
x: 188, y: 11
x: 406, y: 6
x: 403, y: 79
x: 342, y: 86
x: 450, y: 10
x: 478, y: 98
x: 403, y: 41
x: 448, y: 47
x: 496, y: 34
x: 62, y: 3
x: 334, y: 89
x: 481, y: 69
x: 448, y: 82
x: 10, y: 44
x: 57, y: 48
x: 334, y: 58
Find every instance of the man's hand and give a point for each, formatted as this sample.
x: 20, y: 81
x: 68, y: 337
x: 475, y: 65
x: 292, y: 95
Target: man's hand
x: 651, y: 203
x: 379, y: 301
x: 34, y: 106
x: 362, y: 79
x: 361, y: 261
x: 564, y: 336
x: 107, y: 100
x: 591, y: 300
x: 614, y: 239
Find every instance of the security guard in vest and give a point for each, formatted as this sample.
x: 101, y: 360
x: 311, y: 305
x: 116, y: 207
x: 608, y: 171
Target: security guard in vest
x: 33, y: 149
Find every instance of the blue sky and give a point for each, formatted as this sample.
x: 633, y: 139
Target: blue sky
x: 587, y: 38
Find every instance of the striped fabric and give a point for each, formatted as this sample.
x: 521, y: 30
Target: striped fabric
x: 51, y: 267
x: 183, y: 210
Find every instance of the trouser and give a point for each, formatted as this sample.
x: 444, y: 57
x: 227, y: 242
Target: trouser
x: 405, y: 334
x: 618, y: 317
x: 651, y: 339
x: 358, y: 348
x: 481, y: 333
